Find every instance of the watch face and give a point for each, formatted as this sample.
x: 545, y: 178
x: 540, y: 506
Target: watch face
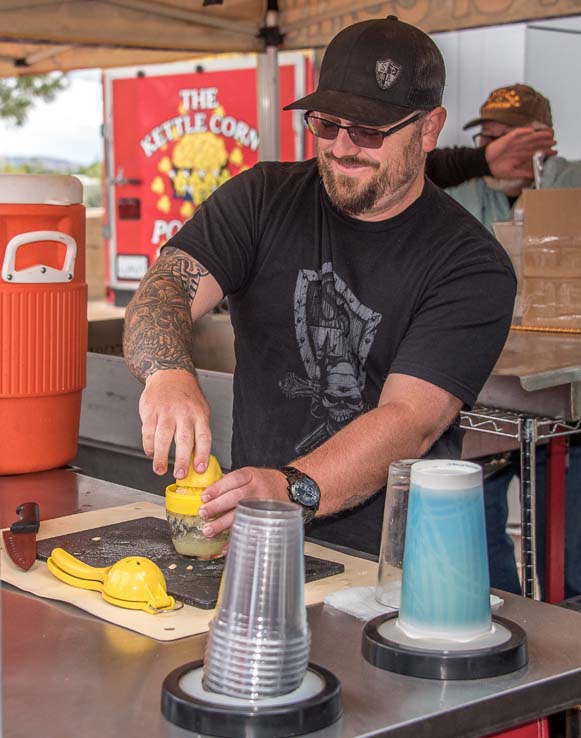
x: 306, y: 492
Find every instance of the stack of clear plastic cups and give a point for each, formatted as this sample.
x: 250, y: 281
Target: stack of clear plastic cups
x: 259, y: 641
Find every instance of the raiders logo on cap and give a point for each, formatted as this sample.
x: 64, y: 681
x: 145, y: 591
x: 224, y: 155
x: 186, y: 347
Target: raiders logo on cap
x: 386, y: 73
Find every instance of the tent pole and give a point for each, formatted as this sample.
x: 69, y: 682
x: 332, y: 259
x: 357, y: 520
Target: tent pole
x: 267, y: 79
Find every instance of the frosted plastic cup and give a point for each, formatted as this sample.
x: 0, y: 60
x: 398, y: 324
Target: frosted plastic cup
x: 259, y: 640
x: 445, y: 586
x: 387, y: 591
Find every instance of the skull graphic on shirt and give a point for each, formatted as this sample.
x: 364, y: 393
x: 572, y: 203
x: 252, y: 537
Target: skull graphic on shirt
x: 334, y: 332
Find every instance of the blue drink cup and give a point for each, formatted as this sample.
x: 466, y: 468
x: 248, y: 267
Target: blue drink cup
x: 445, y: 582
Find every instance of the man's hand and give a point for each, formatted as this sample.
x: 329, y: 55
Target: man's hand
x: 510, y: 156
x: 221, y: 498
x: 172, y: 406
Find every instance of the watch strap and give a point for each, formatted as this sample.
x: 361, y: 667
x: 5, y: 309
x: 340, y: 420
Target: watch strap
x: 292, y: 475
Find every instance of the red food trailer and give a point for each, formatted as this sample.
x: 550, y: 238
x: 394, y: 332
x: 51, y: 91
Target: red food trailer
x: 173, y: 134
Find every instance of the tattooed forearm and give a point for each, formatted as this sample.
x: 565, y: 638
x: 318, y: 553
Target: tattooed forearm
x: 158, y: 323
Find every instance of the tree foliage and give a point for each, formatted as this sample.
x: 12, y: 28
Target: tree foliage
x: 19, y: 94
x: 92, y: 170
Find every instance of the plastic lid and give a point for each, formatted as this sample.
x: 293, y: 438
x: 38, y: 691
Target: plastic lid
x: 443, y: 474
x: 40, y: 189
x: 187, y: 501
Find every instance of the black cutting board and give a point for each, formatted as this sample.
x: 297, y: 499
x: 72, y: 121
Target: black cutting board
x: 150, y: 537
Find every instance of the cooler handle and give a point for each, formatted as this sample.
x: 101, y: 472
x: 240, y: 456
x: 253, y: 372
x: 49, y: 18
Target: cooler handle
x: 39, y: 273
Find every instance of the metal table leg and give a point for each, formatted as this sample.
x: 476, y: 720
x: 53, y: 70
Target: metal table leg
x: 528, y: 438
x: 555, y: 519
x: 528, y: 431
x: 573, y: 722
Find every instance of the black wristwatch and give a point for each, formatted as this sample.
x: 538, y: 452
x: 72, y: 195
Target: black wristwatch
x: 303, y: 490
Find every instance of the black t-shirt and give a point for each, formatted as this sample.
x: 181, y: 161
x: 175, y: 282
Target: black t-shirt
x: 325, y: 306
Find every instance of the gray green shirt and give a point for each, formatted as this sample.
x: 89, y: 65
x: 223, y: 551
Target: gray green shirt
x: 490, y: 206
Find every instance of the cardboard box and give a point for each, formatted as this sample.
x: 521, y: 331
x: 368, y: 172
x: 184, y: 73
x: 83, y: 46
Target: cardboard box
x: 95, y: 254
x: 509, y: 235
x: 551, y: 258
x: 544, y: 244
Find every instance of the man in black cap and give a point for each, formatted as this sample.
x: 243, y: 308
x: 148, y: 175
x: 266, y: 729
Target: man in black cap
x: 368, y: 307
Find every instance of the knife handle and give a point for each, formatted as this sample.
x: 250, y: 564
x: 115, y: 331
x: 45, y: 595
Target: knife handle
x: 28, y: 518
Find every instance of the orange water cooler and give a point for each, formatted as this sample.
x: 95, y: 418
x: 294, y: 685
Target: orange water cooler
x: 43, y: 320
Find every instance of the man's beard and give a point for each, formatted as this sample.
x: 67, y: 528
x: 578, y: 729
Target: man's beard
x: 355, y: 197
x: 510, y: 187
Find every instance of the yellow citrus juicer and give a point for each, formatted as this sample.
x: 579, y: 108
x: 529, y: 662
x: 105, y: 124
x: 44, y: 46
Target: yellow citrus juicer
x: 182, y: 503
x: 134, y: 582
x: 193, y: 485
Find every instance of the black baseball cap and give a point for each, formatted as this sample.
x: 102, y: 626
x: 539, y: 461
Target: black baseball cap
x: 514, y: 105
x: 376, y: 72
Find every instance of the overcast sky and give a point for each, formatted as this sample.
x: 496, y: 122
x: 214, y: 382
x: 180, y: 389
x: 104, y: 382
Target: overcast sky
x: 68, y: 128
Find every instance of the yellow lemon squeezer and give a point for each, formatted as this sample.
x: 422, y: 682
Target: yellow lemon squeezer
x: 134, y: 582
x: 182, y: 504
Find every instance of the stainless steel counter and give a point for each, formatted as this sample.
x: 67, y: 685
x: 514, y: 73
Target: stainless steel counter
x: 66, y: 673
x: 537, y: 373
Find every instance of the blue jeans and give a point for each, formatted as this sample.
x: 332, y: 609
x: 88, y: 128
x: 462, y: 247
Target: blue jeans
x: 501, y: 559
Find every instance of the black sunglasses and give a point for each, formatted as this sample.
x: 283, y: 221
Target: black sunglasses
x: 366, y: 138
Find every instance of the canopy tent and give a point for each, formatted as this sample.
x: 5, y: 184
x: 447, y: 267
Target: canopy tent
x: 43, y: 35
x: 38, y: 36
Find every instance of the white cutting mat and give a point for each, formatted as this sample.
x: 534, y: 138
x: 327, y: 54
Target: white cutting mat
x: 166, y: 626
